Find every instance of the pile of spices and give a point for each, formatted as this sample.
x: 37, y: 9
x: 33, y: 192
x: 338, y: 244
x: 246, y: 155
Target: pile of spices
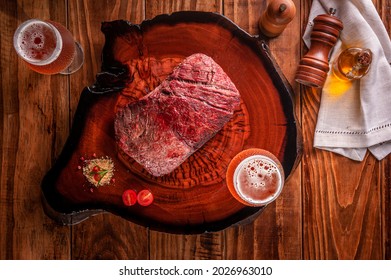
x: 99, y: 171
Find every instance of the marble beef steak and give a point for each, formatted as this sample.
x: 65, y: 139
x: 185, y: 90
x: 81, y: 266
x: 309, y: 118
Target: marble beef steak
x: 162, y: 129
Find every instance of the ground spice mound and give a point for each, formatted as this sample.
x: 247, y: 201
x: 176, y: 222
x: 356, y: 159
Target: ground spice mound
x: 99, y: 171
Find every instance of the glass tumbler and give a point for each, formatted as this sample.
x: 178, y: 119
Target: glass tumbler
x: 48, y: 47
x: 255, y: 177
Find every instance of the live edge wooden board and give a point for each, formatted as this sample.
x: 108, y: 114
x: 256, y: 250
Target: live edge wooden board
x: 194, y: 198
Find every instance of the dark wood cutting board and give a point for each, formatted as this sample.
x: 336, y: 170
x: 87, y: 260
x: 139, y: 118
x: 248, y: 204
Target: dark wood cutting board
x: 194, y: 198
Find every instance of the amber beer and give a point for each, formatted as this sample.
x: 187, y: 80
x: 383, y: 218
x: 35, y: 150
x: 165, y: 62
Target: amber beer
x: 47, y: 47
x: 255, y: 177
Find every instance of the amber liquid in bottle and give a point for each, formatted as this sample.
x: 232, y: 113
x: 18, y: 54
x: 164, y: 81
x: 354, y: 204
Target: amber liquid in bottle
x: 352, y: 64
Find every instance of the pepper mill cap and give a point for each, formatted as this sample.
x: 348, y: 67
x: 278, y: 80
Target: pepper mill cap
x: 329, y: 20
x: 277, y: 15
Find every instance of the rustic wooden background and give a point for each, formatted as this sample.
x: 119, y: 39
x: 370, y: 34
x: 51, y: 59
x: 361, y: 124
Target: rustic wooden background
x: 331, y: 208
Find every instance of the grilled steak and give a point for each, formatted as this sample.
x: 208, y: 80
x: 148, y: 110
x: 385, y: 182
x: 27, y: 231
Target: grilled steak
x: 162, y: 129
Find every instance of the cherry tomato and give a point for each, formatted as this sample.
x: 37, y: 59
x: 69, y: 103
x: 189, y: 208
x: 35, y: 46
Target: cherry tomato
x: 97, y: 177
x: 129, y: 197
x: 96, y: 168
x: 145, y: 198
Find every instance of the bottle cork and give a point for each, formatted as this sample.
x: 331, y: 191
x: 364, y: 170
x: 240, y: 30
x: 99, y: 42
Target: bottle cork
x: 276, y: 17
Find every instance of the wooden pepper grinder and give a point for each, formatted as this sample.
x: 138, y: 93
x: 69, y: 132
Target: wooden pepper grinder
x: 314, y: 66
x: 276, y: 17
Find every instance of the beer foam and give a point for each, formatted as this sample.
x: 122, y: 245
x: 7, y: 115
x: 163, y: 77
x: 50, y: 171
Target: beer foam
x: 258, y: 180
x: 38, y: 42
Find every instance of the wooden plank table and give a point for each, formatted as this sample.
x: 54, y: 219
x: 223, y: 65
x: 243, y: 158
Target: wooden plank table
x: 331, y: 208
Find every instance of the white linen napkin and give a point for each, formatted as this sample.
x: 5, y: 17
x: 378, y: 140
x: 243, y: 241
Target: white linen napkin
x: 357, y: 116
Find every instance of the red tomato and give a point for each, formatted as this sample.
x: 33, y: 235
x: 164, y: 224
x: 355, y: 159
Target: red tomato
x: 97, y: 177
x: 145, y: 198
x: 96, y: 168
x: 129, y: 197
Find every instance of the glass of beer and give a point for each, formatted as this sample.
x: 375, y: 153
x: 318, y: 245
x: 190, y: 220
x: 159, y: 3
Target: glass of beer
x: 255, y: 177
x: 48, y: 47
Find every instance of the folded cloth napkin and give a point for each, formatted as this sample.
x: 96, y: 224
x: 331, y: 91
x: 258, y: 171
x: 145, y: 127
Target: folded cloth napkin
x: 357, y: 116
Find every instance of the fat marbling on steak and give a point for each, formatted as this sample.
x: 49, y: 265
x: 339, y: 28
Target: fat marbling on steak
x: 163, y: 128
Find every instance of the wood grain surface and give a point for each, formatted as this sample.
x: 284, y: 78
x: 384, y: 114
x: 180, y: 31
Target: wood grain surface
x: 194, y: 198
x: 331, y: 208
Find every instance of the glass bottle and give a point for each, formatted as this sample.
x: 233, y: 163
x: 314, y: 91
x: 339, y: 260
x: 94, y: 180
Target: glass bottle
x: 353, y: 63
